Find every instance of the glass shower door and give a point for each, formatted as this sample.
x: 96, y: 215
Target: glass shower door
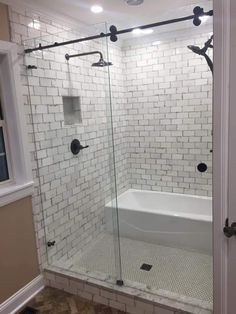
x: 165, y: 205
x: 71, y: 132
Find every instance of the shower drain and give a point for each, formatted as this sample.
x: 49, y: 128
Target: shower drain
x: 146, y: 267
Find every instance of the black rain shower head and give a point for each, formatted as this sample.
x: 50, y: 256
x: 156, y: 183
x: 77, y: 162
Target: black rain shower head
x: 101, y: 63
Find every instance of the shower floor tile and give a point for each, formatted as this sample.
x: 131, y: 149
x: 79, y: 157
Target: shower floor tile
x: 179, y: 271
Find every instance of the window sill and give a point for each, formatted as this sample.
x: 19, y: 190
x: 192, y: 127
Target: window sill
x: 15, y: 192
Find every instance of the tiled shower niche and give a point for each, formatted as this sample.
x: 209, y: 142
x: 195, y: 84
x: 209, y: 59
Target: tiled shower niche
x: 72, y: 110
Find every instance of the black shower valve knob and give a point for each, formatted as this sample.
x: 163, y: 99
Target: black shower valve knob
x: 76, y: 147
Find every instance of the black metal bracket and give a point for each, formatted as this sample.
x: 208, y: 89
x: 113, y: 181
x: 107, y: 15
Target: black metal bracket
x: 120, y: 282
x: 51, y: 243
x: 113, y: 30
x: 113, y: 34
x: 198, y: 12
x: 31, y: 67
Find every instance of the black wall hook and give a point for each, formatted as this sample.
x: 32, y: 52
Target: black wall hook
x: 76, y: 147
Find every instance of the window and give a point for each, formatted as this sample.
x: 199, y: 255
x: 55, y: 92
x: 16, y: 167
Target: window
x: 4, y: 168
x: 15, y: 167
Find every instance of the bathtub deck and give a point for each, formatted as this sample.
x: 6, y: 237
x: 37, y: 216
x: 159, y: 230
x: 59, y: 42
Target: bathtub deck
x: 175, y: 270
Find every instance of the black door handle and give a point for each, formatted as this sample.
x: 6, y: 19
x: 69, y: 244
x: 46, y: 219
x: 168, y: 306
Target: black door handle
x: 229, y: 231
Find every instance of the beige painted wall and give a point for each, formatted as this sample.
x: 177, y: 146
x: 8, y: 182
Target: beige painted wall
x: 4, y: 23
x: 18, y: 253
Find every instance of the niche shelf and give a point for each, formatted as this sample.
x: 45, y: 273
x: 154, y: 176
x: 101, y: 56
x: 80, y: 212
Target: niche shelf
x: 72, y: 110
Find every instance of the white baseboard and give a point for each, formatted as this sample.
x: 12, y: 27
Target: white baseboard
x: 21, y: 297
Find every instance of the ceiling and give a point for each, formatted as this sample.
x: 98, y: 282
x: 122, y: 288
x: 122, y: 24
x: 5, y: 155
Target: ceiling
x: 117, y: 12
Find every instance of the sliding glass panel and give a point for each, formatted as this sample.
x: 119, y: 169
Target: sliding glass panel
x: 71, y: 112
x: 163, y: 143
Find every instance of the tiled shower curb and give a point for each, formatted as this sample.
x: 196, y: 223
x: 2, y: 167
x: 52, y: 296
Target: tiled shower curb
x: 127, y: 299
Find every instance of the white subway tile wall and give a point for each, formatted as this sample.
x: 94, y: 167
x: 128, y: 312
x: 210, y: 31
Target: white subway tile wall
x: 169, y: 103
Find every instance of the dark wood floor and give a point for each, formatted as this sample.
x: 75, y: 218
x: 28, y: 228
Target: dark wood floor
x: 54, y: 301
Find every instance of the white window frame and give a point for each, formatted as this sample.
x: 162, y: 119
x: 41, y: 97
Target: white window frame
x: 20, y: 184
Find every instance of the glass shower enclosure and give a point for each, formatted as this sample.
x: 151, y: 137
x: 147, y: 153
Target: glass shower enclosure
x: 122, y: 158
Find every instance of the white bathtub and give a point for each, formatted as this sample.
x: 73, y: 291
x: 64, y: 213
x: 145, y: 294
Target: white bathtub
x: 168, y: 219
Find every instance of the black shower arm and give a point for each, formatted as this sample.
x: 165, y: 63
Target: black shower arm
x: 67, y: 56
x: 204, y: 50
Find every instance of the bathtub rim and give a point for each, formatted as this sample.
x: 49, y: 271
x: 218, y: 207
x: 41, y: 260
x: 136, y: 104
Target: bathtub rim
x: 187, y: 216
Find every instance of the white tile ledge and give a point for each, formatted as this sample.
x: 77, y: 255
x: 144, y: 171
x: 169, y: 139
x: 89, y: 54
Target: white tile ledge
x: 15, y: 192
x: 178, y: 306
